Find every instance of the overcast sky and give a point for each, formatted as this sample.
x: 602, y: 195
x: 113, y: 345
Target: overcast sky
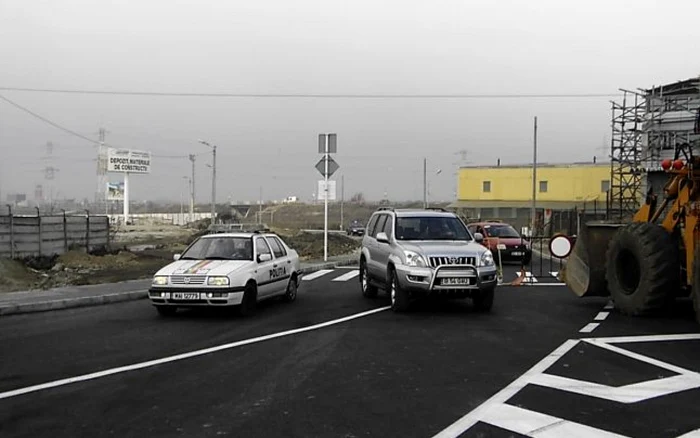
x: 323, y: 47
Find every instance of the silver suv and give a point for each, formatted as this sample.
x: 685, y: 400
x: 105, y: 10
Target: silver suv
x: 422, y: 252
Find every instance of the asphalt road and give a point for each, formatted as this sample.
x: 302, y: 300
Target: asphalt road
x: 441, y: 367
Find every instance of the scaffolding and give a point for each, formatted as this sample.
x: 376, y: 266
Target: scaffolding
x: 626, y: 156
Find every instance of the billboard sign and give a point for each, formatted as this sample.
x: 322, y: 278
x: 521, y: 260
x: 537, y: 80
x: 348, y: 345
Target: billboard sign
x: 128, y: 161
x: 115, y: 191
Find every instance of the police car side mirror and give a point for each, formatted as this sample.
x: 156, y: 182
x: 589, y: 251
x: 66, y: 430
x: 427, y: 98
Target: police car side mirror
x: 478, y: 237
x: 176, y: 256
x: 262, y: 258
x: 382, y: 237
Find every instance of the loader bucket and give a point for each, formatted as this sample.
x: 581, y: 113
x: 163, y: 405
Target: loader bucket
x: 584, y: 272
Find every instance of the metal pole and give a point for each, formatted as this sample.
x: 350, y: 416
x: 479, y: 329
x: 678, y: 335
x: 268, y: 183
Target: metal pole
x: 260, y: 203
x: 192, y: 189
x: 126, y: 198
x: 325, y: 203
x: 425, y: 183
x: 12, y: 232
x: 342, y: 199
x: 213, y: 186
x: 533, y: 210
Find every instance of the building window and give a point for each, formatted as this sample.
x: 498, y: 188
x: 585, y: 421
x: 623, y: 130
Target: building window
x: 605, y: 185
x: 486, y: 187
x: 543, y: 186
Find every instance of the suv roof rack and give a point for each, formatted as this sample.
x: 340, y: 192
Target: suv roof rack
x: 385, y: 209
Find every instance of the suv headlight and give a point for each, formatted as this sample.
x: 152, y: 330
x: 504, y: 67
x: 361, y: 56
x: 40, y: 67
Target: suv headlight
x: 218, y: 281
x: 414, y: 259
x: 160, y: 280
x: 486, y: 259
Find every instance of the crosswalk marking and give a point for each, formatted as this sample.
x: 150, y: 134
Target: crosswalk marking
x: 316, y: 274
x: 347, y: 276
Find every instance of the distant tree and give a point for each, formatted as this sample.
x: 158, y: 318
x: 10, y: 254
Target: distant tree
x: 358, y: 198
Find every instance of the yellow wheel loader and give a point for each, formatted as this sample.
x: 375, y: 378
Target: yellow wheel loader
x: 645, y: 264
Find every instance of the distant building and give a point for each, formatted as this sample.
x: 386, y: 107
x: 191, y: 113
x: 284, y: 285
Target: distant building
x: 505, y: 192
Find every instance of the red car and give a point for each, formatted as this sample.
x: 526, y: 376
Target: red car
x: 503, y: 237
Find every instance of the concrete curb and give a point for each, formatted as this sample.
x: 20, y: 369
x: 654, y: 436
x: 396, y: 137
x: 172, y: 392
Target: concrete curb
x: 97, y: 300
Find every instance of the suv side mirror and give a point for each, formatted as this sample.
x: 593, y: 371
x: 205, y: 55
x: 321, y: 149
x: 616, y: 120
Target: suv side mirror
x: 176, y: 256
x: 382, y: 237
x: 478, y: 237
x: 265, y: 257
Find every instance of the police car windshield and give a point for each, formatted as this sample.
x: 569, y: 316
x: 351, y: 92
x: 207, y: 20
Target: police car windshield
x: 431, y: 228
x: 220, y: 248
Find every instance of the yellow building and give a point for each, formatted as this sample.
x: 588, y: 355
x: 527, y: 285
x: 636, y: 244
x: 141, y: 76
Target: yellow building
x: 505, y: 192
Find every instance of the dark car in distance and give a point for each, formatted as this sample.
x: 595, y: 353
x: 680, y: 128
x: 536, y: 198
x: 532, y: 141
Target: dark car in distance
x: 356, y: 228
x: 502, y: 237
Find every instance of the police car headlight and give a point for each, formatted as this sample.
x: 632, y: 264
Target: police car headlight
x: 486, y: 259
x: 160, y: 280
x: 414, y: 259
x: 218, y: 281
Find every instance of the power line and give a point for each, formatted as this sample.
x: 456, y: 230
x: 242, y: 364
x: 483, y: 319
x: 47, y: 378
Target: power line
x: 69, y: 131
x: 45, y: 120
x: 318, y: 95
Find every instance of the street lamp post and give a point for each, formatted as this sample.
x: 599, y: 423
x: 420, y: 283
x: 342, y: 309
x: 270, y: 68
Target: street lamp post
x: 213, y: 181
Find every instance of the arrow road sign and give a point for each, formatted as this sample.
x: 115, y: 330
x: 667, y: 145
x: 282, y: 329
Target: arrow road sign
x: 332, y: 166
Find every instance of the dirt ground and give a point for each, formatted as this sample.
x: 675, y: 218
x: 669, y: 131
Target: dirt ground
x: 136, y: 254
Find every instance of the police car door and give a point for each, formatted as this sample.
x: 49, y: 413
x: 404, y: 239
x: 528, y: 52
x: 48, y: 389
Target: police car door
x: 264, y: 276
x: 282, y: 268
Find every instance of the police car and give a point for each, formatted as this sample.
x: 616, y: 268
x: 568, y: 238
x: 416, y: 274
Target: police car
x: 227, y: 269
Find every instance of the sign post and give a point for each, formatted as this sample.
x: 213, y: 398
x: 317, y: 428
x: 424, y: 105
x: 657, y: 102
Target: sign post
x: 327, y: 144
x: 128, y: 161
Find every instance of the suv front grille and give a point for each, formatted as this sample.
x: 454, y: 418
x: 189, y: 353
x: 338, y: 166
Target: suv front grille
x: 442, y: 261
x: 180, y: 279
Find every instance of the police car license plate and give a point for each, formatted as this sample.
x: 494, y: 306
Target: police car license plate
x: 185, y: 296
x: 454, y: 281
x: 517, y: 253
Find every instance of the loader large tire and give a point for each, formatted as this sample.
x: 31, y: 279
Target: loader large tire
x: 642, y: 268
x: 696, y: 283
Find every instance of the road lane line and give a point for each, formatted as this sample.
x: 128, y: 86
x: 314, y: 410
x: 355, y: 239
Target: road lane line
x: 473, y: 417
x: 609, y: 306
x: 347, y: 276
x: 150, y: 363
x: 645, y: 338
x: 589, y: 327
x: 601, y: 316
x: 316, y: 274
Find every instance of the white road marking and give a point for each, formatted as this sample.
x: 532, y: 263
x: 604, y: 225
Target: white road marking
x: 526, y: 283
x: 347, y: 276
x: 643, y: 338
x: 529, y: 278
x: 495, y: 411
x: 473, y: 417
x: 535, y: 424
x: 315, y: 275
x: 554, y: 274
x: 601, y: 316
x: 150, y: 363
x: 627, y: 394
x: 609, y: 306
x: 589, y: 327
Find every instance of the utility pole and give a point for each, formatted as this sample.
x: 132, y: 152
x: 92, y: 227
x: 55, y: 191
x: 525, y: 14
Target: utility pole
x: 425, y: 183
x: 192, y: 157
x: 213, y: 180
x: 101, y: 194
x: 533, y: 210
x: 213, y: 187
x: 260, y: 203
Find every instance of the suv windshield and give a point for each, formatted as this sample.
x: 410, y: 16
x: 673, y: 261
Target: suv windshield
x: 220, y: 248
x: 505, y: 231
x: 431, y: 228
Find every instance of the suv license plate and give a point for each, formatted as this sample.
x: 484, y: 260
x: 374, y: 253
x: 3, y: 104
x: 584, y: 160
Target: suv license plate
x: 185, y: 296
x: 454, y: 281
x: 517, y: 253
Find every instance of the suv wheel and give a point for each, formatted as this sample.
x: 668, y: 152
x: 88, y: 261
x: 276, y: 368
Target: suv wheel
x: 399, y: 296
x: 367, y: 289
x: 483, y: 300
